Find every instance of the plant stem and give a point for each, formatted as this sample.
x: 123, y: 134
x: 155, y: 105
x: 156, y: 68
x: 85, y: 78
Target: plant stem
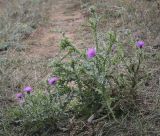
x: 96, y: 36
x: 111, y: 111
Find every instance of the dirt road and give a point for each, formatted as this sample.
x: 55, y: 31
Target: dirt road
x: 65, y: 17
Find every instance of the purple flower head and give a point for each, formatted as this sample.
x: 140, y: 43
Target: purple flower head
x: 28, y: 89
x: 113, y: 48
x: 53, y: 80
x: 140, y: 44
x: 19, y: 96
x: 91, y: 52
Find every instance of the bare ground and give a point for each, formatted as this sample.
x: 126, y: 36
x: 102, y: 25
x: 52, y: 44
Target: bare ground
x: 65, y: 17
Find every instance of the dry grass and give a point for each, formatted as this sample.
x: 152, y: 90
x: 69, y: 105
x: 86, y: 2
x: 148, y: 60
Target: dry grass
x: 19, y: 19
x: 16, y: 71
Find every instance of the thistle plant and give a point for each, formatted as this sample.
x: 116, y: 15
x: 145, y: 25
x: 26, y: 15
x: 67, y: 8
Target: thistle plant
x: 36, y: 113
x: 102, y: 75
